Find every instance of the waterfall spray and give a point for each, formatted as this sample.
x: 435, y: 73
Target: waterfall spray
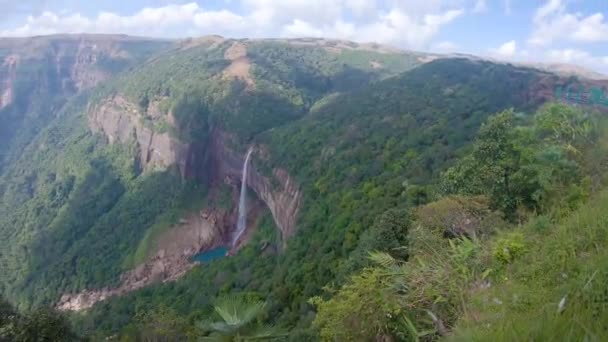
x: 242, y: 214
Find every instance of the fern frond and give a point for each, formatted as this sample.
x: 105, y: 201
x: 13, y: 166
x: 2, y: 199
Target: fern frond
x: 382, y: 259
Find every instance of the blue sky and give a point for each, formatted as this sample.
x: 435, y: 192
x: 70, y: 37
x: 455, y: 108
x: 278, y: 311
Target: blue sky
x: 557, y: 31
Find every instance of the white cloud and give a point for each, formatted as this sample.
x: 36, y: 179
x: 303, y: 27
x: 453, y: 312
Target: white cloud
x: 506, y: 50
x: 553, y: 23
x: 317, y: 12
x: 550, y: 7
x: 301, y: 28
x: 568, y: 56
x: 577, y: 57
x: 147, y: 21
x: 404, y: 23
x: 591, y: 29
x: 445, y: 46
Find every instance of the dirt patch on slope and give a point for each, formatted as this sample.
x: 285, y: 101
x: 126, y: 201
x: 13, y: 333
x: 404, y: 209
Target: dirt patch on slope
x: 240, y: 66
x: 212, y: 41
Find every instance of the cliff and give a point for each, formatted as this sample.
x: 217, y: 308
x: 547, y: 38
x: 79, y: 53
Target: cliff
x: 172, y: 258
x: 121, y: 121
x: 283, y: 201
x: 65, y: 64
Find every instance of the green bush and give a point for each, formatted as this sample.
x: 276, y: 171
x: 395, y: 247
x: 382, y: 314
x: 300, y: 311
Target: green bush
x: 509, y: 248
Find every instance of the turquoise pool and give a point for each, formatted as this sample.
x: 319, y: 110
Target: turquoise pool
x: 211, y: 255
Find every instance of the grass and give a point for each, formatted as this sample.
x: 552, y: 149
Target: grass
x: 556, y: 289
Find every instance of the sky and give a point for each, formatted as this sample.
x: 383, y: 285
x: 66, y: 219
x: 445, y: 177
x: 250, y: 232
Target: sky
x: 550, y: 31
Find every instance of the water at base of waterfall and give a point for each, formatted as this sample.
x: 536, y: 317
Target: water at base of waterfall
x: 207, y: 256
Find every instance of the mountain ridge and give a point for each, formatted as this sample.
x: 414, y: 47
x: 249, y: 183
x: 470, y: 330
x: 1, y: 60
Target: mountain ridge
x: 109, y: 194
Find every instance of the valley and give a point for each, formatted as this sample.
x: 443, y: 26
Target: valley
x: 360, y: 191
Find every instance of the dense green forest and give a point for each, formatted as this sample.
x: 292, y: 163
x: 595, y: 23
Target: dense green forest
x: 440, y: 200
x: 39, y: 325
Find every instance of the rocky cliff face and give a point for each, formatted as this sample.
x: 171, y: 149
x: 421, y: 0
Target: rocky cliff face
x: 121, y: 122
x: 172, y: 258
x: 283, y: 200
x: 62, y: 65
x: 8, y: 75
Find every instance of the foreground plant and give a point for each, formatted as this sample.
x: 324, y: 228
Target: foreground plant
x: 239, y: 321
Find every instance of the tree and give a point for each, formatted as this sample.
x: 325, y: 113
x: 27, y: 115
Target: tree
x: 362, y: 310
x: 8, y: 320
x: 530, y: 167
x: 162, y: 324
x: 388, y: 234
x: 239, y: 321
x: 497, y: 159
x: 44, y: 325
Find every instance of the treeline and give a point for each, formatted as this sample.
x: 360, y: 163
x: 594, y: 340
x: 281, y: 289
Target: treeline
x: 355, y: 157
x: 38, y: 325
x: 467, y: 259
x: 460, y: 264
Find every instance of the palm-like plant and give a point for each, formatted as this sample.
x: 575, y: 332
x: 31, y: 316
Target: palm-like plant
x: 239, y: 322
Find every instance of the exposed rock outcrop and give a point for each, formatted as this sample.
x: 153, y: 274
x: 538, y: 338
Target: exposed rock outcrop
x: 240, y: 65
x: 58, y: 65
x: 120, y: 121
x: 172, y: 259
x: 282, y: 200
x: 8, y: 75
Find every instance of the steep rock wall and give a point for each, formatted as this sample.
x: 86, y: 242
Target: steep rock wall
x: 55, y: 65
x: 120, y: 121
x: 8, y: 75
x: 173, y: 257
x: 283, y: 200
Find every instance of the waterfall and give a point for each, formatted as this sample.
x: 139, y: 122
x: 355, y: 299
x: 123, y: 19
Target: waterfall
x: 242, y: 214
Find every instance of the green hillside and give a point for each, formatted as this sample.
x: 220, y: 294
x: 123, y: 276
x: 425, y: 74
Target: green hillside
x: 440, y: 200
x: 68, y: 198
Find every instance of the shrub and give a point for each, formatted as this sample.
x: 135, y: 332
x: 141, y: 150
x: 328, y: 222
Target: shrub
x: 509, y: 248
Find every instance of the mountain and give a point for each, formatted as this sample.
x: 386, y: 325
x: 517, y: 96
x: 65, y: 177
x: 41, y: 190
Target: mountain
x: 123, y: 158
x: 571, y: 70
x: 38, y: 74
x: 71, y: 183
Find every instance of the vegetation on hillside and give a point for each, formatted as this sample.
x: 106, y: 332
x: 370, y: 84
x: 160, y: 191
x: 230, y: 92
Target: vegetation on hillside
x: 498, y: 282
x: 438, y: 203
x: 356, y: 157
x: 39, y: 325
x: 74, y: 209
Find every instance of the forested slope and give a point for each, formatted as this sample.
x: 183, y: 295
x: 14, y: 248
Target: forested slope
x: 450, y: 171
x: 74, y: 208
x: 355, y: 156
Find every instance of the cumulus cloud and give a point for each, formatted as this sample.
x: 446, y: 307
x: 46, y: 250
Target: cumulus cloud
x: 506, y: 50
x: 445, y: 46
x: 404, y: 23
x: 552, y: 22
x: 147, y: 21
x: 567, y: 55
